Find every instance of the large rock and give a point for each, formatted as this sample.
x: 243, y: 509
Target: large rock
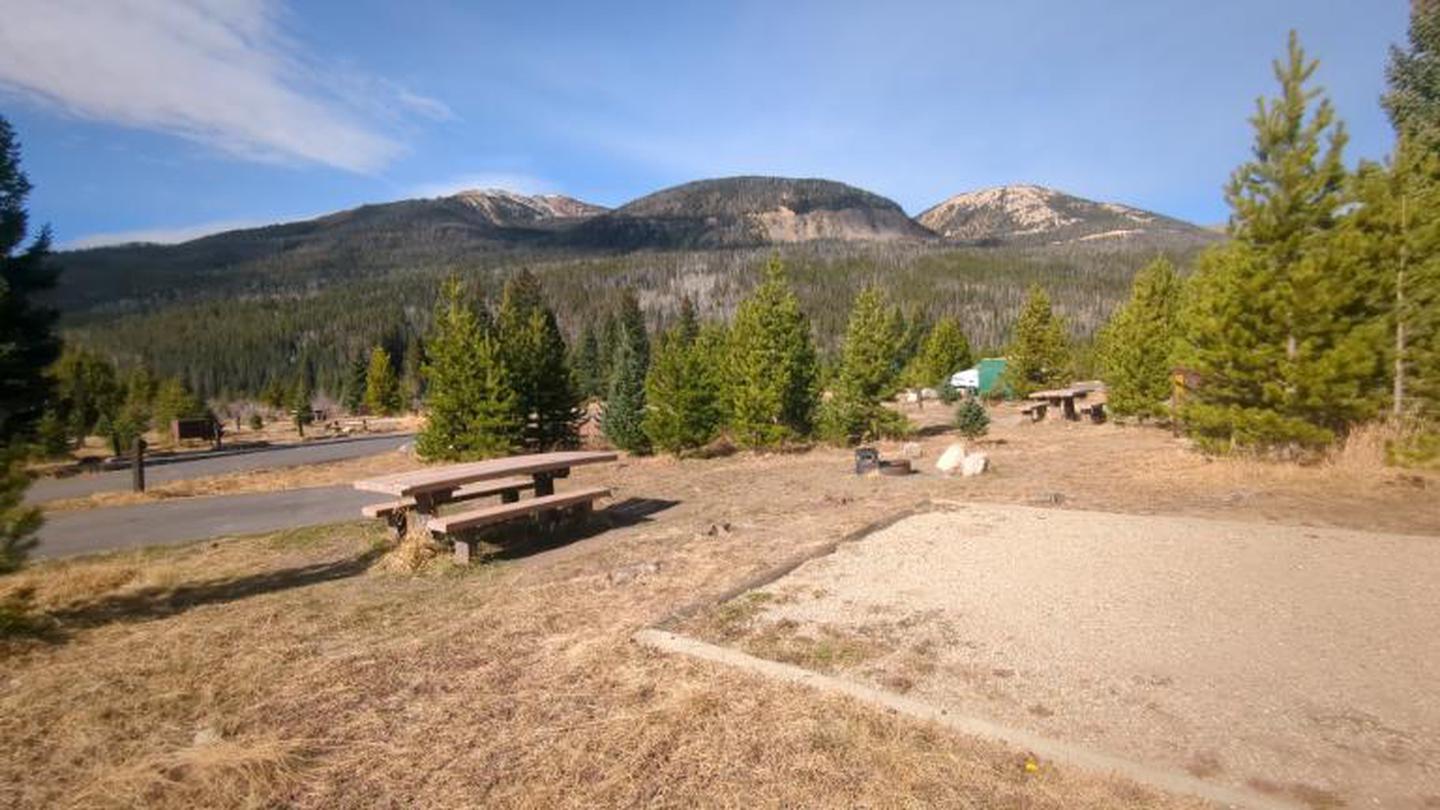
x: 951, y: 460
x: 974, y: 464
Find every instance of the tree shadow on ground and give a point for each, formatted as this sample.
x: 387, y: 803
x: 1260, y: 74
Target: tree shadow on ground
x: 156, y: 603
x: 526, y: 540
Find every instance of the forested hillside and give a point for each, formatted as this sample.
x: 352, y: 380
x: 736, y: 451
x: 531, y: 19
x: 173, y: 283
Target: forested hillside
x: 226, y: 344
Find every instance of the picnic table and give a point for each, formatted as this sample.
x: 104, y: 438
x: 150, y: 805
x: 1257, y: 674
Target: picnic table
x: 1080, y: 399
x: 420, y: 494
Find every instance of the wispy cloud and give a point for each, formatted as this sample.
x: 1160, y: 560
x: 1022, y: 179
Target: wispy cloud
x: 220, y: 72
x: 162, y: 236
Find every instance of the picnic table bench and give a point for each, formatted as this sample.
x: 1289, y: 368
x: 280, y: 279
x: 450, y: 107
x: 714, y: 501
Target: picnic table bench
x: 419, y: 495
x: 1085, y: 399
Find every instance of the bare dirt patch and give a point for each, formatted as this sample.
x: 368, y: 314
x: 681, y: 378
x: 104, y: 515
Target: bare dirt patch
x: 1282, y: 656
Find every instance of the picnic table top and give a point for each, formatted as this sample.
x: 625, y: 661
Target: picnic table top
x: 453, y: 476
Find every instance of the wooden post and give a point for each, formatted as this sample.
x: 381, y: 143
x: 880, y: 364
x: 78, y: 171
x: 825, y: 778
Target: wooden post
x: 545, y: 484
x: 137, y: 468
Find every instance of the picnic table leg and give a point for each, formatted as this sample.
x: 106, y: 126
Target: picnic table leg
x: 544, y: 484
x: 397, y: 520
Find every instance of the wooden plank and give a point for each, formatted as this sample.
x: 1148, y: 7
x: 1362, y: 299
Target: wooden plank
x: 456, y: 475
x: 491, y: 515
x: 498, y: 486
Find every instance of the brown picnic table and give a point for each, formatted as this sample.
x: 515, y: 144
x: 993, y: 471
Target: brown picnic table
x: 421, y: 493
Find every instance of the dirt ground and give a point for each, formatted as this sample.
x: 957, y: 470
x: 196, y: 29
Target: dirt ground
x: 1287, y: 660
x: 290, y: 670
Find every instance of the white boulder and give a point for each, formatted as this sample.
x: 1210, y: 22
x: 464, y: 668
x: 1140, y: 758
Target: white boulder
x: 956, y: 460
x: 951, y: 460
x: 974, y: 464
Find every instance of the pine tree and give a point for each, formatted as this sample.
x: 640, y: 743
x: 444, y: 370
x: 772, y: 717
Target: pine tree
x: 632, y: 327
x: 1398, y: 219
x: 971, y: 420
x: 302, y: 409
x: 687, y: 323
x: 276, y: 394
x: 174, y: 400
x: 681, y: 391
x: 28, y: 344
x: 1039, y: 354
x: 867, y: 377
x: 412, y: 380
x: 1413, y: 75
x: 355, y: 385
x: 944, y: 351
x: 589, y: 371
x: 609, y: 338
x: 622, y: 419
x: 536, y: 360
x: 382, y: 388
x: 772, y: 366
x: 1137, y: 347
x: 471, y: 410
x: 1281, y: 327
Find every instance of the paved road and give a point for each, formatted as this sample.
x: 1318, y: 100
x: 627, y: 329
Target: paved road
x: 50, y: 489
x: 184, y: 519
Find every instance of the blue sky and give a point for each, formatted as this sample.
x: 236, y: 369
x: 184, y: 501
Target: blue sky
x: 162, y: 120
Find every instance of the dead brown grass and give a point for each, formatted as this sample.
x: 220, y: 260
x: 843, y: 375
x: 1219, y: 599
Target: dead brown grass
x: 291, y: 670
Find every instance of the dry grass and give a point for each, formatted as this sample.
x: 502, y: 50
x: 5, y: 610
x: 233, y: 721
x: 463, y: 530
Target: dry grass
x: 271, y: 480
x: 291, y: 670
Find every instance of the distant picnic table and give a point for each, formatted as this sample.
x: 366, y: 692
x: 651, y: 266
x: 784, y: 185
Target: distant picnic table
x: 420, y: 494
x: 1084, y: 399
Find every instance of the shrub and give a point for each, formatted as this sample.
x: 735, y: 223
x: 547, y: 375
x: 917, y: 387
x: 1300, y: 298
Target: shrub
x: 971, y: 419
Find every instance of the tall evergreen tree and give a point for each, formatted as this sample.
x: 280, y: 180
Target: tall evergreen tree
x: 772, y: 366
x: 1137, y: 347
x: 589, y: 371
x: 1413, y: 76
x: 1398, y: 219
x: 537, y: 361
x: 868, y: 376
x: 622, y: 419
x: 1039, y: 353
x: 382, y: 387
x: 174, y: 400
x: 28, y: 345
x: 944, y: 351
x: 632, y: 327
x: 471, y: 410
x: 1283, y: 332
x: 301, y: 405
x: 412, y: 379
x: 609, y: 337
x: 355, y: 385
x: 681, y: 391
x: 27, y: 332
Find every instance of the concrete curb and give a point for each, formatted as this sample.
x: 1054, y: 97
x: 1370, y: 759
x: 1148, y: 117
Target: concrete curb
x: 1043, y: 747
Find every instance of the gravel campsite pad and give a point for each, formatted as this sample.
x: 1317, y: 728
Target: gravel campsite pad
x: 1293, y: 661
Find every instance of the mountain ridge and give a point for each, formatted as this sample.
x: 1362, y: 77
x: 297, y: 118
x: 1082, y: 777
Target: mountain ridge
x: 1031, y: 214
